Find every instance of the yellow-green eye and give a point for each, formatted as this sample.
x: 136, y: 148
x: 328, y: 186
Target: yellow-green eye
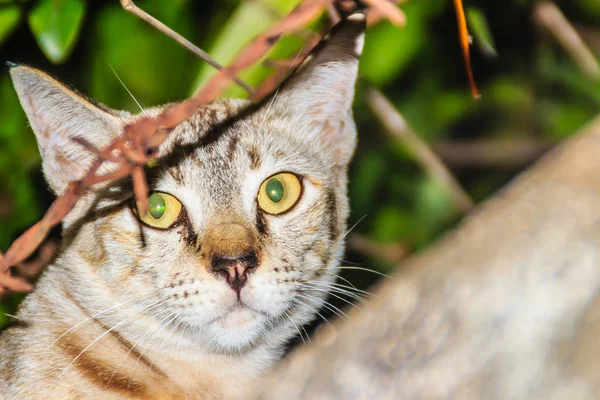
x: 163, y: 210
x: 279, y: 193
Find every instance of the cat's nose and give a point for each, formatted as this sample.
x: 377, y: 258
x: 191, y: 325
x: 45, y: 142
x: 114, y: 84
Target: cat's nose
x: 235, y: 268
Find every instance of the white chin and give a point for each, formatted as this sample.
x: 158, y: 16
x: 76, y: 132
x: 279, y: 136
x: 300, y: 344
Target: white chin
x: 237, y: 329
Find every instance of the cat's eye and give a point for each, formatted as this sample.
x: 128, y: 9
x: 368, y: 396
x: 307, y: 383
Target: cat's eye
x: 163, y: 210
x: 279, y: 193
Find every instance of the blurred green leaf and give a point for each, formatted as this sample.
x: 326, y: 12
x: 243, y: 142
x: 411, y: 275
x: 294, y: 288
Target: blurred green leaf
x: 153, y: 66
x: 562, y: 118
x: 247, y: 21
x: 365, y: 179
x: 55, y: 25
x: 479, y: 28
x: 389, y: 49
x: 392, y: 223
x: 9, y: 19
x: 590, y: 7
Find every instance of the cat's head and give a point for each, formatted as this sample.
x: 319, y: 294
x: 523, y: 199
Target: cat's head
x: 247, y: 210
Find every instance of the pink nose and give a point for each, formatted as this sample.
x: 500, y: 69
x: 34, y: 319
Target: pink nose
x: 235, y: 269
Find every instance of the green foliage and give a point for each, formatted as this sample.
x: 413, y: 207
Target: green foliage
x: 531, y: 88
x: 481, y: 31
x: 56, y: 24
x: 9, y: 18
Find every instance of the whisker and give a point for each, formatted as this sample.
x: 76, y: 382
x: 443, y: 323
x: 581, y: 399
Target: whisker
x: 99, y: 338
x: 128, y: 91
x: 295, y: 326
x: 353, y: 226
x: 345, y: 280
x: 334, y: 289
x: 329, y: 306
x: 171, y: 315
x: 366, y: 269
x: 330, y: 292
x: 84, y: 321
x: 134, y: 345
x: 350, y: 289
x: 315, y: 311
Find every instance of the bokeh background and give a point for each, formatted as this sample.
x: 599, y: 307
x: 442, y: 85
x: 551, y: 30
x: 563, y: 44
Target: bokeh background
x: 535, y: 93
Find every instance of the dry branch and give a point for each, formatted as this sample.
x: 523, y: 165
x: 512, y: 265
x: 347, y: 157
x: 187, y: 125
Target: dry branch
x: 551, y: 18
x: 396, y: 125
x: 465, y: 42
x: 128, y: 5
x: 505, y: 307
x: 491, y: 153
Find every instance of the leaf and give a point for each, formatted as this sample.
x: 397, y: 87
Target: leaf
x: 249, y: 20
x: 481, y: 31
x: 388, y: 50
x: 9, y: 19
x: 55, y: 25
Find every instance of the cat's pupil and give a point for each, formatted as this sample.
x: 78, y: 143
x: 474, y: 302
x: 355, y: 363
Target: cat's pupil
x: 156, y: 205
x: 274, y: 190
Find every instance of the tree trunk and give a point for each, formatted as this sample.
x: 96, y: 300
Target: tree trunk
x: 505, y: 307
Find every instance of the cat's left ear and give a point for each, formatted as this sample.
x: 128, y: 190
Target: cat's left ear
x: 319, y: 95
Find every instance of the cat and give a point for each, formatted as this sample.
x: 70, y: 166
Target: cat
x: 198, y: 296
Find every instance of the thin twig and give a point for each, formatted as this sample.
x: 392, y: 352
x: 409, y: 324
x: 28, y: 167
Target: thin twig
x: 385, y: 111
x: 465, y: 41
x: 129, y: 6
x: 551, y: 18
x: 334, y: 15
x: 389, y: 252
x: 501, y: 153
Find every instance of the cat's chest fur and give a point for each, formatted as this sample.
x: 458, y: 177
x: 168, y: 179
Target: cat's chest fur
x: 198, y: 296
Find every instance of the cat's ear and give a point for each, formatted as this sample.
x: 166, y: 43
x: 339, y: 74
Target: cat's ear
x: 57, y: 115
x: 319, y: 94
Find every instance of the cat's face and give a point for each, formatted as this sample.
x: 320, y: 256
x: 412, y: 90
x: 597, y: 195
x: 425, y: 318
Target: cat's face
x: 232, y: 263
x: 247, y: 217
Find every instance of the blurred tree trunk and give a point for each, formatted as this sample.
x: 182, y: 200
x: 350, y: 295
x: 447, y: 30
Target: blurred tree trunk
x: 505, y: 307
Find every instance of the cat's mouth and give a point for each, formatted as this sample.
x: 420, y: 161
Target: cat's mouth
x: 239, y: 316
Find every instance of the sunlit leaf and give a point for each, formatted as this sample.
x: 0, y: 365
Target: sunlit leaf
x: 248, y: 20
x: 9, y: 19
x: 388, y: 50
x: 481, y: 31
x: 55, y: 25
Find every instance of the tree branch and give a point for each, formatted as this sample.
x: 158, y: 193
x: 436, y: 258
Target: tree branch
x: 396, y: 125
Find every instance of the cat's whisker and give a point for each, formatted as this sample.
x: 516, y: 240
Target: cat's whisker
x: 170, y: 315
x: 173, y: 317
x: 353, y: 226
x: 365, y: 269
x: 315, y: 311
x: 329, y: 306
x: 331, y: 290
x: 100, y: 337
x: 71, y: 329
x: 351, y: 289
x: 328, y: 291
x: 127, y: 89
x: 133, y: 346
x: 295, y: 326
x: 134, y: 367
x: 345, y: 280
x: 266, y: 113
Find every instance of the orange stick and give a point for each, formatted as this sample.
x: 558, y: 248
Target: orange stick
x: 463, y: 35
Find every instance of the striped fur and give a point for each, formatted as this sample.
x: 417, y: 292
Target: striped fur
x: 127, y: 311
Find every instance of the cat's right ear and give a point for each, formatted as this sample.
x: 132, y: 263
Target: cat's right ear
x: 317, y: 97
x: 57, y: 115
